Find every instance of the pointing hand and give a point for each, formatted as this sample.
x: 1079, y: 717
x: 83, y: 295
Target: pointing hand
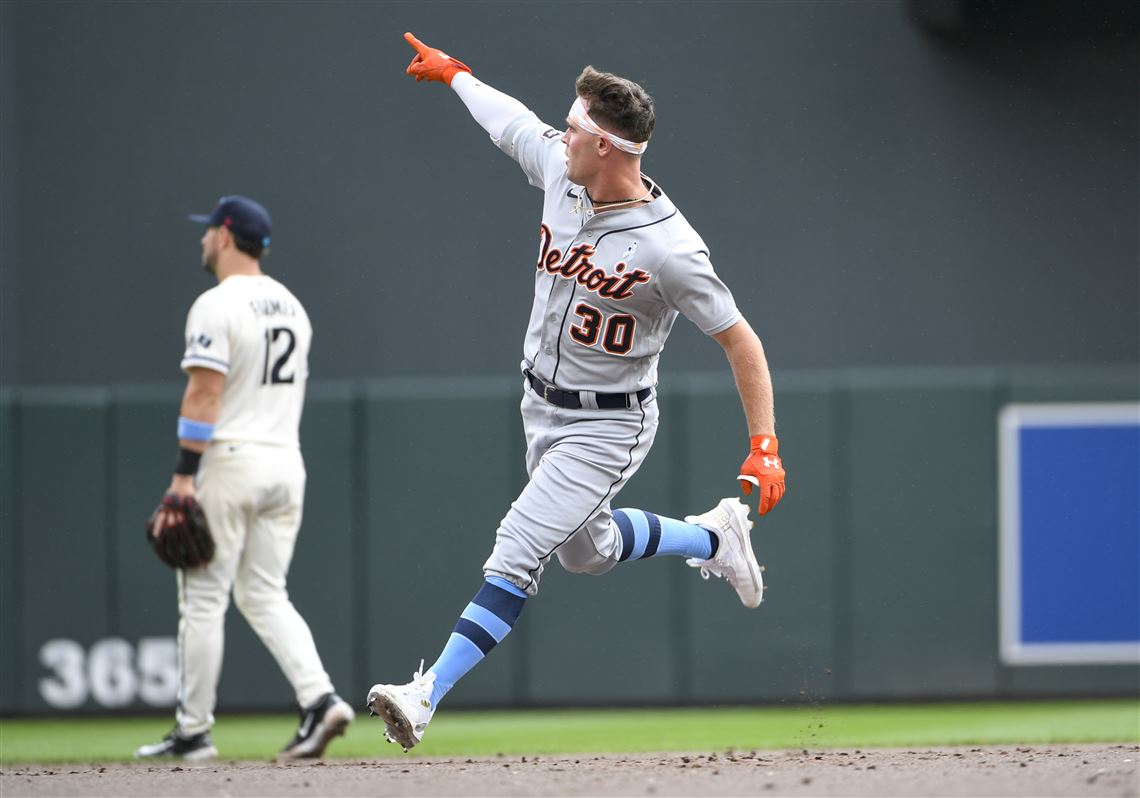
x: 433, y: 64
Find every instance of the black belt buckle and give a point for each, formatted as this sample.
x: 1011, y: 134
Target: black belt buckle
x: 549, y: 393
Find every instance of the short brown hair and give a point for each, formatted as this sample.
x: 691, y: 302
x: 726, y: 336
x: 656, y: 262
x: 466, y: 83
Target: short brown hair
x: 249, y: 246
x: 617, y: 104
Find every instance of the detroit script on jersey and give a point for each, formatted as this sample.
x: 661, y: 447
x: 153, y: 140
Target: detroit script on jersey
x: 608, y: 286
x: 579, y: 266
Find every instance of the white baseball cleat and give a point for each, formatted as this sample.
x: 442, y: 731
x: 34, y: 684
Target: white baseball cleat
x: 734, y: 559
x: 406, y: 709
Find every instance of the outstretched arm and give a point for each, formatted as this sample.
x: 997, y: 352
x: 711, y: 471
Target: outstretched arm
x: 491, y: 108
x: 762, y: 468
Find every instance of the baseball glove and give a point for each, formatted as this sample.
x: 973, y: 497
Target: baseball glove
x: 185, y: 540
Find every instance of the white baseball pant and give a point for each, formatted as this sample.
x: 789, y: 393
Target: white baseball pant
x: 252, y: 495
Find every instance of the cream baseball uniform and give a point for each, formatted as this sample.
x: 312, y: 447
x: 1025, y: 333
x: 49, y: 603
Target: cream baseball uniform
x: 251, y: 485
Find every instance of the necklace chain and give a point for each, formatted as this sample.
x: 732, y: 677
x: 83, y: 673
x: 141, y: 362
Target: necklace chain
x: 609, y: 203
x: 618, y: 202
x: 605, y: 205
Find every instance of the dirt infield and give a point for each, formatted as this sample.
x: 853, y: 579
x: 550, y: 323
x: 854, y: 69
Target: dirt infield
x: 1109, y: 770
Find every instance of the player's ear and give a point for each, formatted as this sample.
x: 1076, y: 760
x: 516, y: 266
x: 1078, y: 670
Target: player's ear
x: 225, y: 238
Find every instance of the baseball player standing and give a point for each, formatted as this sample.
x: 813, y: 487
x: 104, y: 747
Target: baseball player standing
x: 617, y: 262
x: 246, y: 358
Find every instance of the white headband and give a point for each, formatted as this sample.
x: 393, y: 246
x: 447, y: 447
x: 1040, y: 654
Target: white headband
x: 581, y: 118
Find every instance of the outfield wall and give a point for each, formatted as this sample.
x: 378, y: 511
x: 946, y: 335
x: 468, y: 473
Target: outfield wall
x: 882, y: 560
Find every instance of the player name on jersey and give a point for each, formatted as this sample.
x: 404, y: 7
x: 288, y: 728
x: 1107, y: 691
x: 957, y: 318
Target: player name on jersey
x: 272, y: 307
x: 578, y: 266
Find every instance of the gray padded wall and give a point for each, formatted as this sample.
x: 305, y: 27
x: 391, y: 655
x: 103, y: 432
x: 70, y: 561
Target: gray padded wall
x: 881, y: 561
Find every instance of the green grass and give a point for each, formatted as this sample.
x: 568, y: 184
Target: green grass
x: 462, y: 733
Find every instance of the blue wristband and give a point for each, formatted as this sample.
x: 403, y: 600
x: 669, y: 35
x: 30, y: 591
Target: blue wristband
x: 191, y: 430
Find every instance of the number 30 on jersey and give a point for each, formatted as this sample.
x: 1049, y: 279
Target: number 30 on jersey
x: 615, y: 332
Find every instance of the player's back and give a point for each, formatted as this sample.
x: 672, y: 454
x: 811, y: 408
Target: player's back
x: 253, y: 329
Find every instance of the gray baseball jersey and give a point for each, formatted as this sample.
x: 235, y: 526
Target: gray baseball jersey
x: 609, y: 286
x: 607, y: 290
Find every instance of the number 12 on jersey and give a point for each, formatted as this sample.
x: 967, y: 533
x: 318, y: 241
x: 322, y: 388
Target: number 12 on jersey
x: 279, y: 341
x: 617, y: 338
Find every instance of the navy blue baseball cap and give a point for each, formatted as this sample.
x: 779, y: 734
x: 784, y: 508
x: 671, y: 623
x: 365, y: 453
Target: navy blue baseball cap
x: 241, y: 215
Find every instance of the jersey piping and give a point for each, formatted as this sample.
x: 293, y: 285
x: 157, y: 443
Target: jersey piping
x: 605, y: 497
x: 574, y: 289
x: 201, y: 361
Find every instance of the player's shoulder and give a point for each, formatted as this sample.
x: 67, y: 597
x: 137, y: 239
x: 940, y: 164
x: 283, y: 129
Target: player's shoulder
x: 228, y: 292
x: 680, y: 246
x: 678, y: 235
x: 211, y: 299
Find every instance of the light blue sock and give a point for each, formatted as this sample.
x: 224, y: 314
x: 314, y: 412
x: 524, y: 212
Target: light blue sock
x: 484, y: 623
x: 645, y: 535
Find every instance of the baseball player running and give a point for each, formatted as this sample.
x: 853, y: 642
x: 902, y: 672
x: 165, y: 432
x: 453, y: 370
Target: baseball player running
x: 616, y: 263
x: 247, y: 354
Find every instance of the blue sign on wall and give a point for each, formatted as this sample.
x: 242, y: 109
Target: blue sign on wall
x: 1069, y: 497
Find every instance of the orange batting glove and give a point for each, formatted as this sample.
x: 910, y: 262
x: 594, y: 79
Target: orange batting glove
x: 433, y: 64
x: 764, y: 470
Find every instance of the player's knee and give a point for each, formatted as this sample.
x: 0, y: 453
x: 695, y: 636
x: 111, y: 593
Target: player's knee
x: 596, y: 568
x: 591, y: 552
x: 585, y: 562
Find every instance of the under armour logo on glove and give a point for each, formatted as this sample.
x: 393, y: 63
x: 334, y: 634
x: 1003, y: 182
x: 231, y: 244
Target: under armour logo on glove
x: 763, y: 469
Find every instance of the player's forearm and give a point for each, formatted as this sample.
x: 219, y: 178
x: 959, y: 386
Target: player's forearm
x: 200, y: 406
x: 753, y: 379
x: 492, y: 109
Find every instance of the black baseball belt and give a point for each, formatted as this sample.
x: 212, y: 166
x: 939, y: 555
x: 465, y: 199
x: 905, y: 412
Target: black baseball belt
x: 572, y: 400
